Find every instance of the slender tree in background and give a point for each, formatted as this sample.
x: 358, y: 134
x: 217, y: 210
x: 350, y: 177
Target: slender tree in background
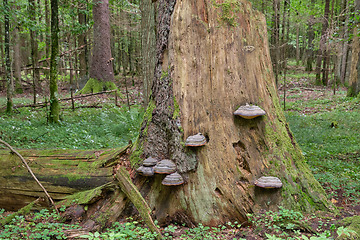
x: 101, y: 71
x: 354, y: 80
x: 9, y: 83
x: 34, y: 47
x: 54, y: 101
x: 322, y: 52
x: 16, y: 54
x: 82, y: 40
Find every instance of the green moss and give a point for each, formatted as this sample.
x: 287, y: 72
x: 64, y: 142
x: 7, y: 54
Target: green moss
x: 95, y: 86
x: 229, y: 8
x: 352, y: 223
x: 135, y: 157
x: 85, y: 197
x: 176, y: 113
x: 285, y: 153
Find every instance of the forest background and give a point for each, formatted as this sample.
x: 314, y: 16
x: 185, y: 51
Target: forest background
x: 314, y: 47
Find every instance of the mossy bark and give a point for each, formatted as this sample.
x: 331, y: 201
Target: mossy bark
x: 54, y: 115
x: 94, y: 86
x: 205, y: 69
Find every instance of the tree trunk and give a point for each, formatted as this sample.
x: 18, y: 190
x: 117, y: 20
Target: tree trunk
x: 322, y: 52
x: 9, y: 81
x: 310, y: 46
x: 82, y: 41
x: 62, y: 173
x: 16, y: 57
x: 101, y: 71
x: 34, y: 48
x: 354, y: 79
x: 54, y: 96
x: 205, y: 67
x: 275, y: 39
x: 147, y: 46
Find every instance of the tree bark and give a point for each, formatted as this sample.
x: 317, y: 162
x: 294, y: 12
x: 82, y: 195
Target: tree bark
x: 9, y: 81
x: 54, y: 114
x: 322, y: 56
x: 203, y: 71
x: 354, y: 79
x: 17, y: 58
x: 82, y: 41
x: 147, y: 46
x: 101, y: 67
x: 34, y: 48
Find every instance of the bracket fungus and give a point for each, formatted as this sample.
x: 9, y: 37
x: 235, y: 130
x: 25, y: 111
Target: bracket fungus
x: 150, y: 161
x: 249, y: 111
x: 165, y: 166
x: 173, y: 179
x: 145, y: 171
x: 268, y: 182
x: 195, y: 140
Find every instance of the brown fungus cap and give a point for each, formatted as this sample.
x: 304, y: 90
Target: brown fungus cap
x: 173, y: 179
x: 145, y: 171
x: 165, y: 166
x: 249, y: 111
x: 150, y: 161
x: 195, y: 140
x: 268, y: 182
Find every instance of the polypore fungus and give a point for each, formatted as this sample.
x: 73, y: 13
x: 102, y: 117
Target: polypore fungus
x: 150, y: 161
x: 268, y: 182
x: 145, y: 171
x: 165, y: 166
x: 173, y: 179
x: 195, y: 140
x: 249, y: 111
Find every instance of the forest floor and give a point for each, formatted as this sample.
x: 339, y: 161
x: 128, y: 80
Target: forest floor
x: 325, y: 125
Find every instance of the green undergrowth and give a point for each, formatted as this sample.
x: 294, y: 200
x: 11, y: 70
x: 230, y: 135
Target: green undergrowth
x: 40, y: 225
x: 329, y: 139
x: 85, y: 128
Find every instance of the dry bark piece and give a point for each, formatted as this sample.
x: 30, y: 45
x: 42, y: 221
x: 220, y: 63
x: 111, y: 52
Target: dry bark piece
x: 249, y: 111
x: 195, y: 140
x: 173, y: 179
x: 165, y: 166
x: 150, y: 161
x: 145, y: 171
x: 268, y: 182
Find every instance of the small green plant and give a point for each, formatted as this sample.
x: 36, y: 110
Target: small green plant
x: 346, y: 233
x: 42, y: 225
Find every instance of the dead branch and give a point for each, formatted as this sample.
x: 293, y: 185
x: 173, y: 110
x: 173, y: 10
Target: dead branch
x: 43, y: 104
x: 135, y: 197
x: 30, y: 171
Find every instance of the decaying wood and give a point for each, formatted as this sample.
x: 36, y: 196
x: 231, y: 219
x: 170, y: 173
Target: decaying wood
x: 62, y: 173
x: 135, y: 197
x: 31, y: 172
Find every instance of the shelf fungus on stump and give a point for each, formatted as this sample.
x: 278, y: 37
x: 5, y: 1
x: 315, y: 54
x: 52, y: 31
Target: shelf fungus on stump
x: 165, y: 166
x: 249, y: 111
x: 150, y: 161
x: 145, y: 171
x: 195, y: 140
x: 173, y: 179
x: 268, y: 182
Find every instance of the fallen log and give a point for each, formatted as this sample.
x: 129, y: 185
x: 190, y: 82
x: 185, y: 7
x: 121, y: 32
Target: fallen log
x: 62, y: 172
